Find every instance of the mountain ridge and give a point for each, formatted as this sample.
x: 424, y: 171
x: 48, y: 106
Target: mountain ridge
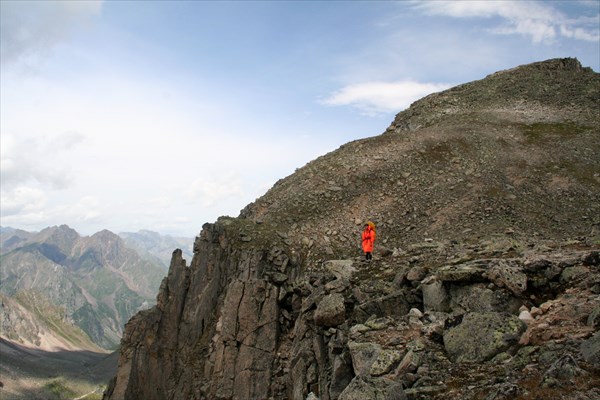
x: 156, y: 246
x: 54, y: 283
x: 498, y: 168
x: 98, y: 280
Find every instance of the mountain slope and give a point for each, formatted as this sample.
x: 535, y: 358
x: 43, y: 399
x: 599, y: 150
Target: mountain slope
x: 515, y: 152
x: 484, y: 282
x: 97, y: 279
x: 33, y: 321
x: 11, y: 238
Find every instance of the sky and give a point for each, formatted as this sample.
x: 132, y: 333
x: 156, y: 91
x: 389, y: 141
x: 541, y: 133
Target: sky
x: 165, y: 115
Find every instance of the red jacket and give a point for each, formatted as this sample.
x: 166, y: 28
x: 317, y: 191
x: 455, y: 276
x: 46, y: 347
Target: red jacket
x: 368, y: 238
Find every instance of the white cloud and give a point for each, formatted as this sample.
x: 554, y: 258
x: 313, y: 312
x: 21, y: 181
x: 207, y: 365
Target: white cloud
x: 579, y: 33
x: 210, y: 191
x: 31, y: 207
x: 539, y: 30
x: 21, y: 200
x: 28, y: 159
x: 87, y: 209
x: 142, y: 156
x: 541, y: 21
x: 29, y: 30
x: 382, y: 97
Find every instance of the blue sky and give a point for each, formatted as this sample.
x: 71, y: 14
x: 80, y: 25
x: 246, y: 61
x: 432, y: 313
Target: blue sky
x: 165, y: 115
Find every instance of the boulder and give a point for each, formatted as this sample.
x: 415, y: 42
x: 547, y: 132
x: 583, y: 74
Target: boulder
x: 435, y: 295
x: 469, y: 272
x: 384, y: 363
x: 363, y: 356
x: 362, y: 388
x: 590, y: 349
x: 341, y: 374
x: 481, y: 336
x: 479, y: 298
x: 341, y: 269
x: 573, y: 273
x: 510, y: 276
x: 410, y: 362
x: 330, y: 311
x: 536, y: 264
x: 393, y: 305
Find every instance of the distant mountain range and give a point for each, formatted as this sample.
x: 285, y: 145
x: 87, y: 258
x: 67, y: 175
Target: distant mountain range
x: 60, y: 289
x: 157, y: 247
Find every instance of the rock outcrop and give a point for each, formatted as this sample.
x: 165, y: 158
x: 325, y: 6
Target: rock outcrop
x: 470, y: 294
x: 241, y: 322
x: 215, y: 329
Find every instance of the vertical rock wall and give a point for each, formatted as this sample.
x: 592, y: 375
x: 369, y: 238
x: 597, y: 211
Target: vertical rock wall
x: 214, y: 331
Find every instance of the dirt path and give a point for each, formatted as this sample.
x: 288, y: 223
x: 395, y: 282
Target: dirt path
x: 97, y: 390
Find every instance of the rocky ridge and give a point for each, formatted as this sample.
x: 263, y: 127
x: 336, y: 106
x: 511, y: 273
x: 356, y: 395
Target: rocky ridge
x: 514, y: 152
x: 485, y: 282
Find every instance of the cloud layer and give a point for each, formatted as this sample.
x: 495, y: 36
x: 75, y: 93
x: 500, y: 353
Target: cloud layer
x: 31, y: 32
x: 539, y: 21
x: 36, y: 159
x: 382, y: 97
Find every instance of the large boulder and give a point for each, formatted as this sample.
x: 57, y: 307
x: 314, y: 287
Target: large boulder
x: 341, y: 269
x: 386, y: 360
x: 341, y: 374
x: 363, y: 387
x: 392, y: 305
x: 331, y: 311
x: 435, y: 295
x: 481, y: 336
x: 480, y: 298
x: 507, y: 274
x: 468, y: 272
x: 590, y: 349
x: 363, y: 356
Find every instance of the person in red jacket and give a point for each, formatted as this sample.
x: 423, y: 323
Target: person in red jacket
x: 368, y: 238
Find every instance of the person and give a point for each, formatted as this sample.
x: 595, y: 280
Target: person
x: 368, y: 239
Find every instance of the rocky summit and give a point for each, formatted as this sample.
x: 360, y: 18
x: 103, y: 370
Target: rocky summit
x: 485, y: 279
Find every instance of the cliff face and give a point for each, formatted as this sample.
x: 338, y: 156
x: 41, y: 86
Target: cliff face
x: 215, y: 328
x: 484, y: 283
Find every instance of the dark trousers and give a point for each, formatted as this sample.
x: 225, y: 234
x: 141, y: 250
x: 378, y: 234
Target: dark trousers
x: 368, y: 255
